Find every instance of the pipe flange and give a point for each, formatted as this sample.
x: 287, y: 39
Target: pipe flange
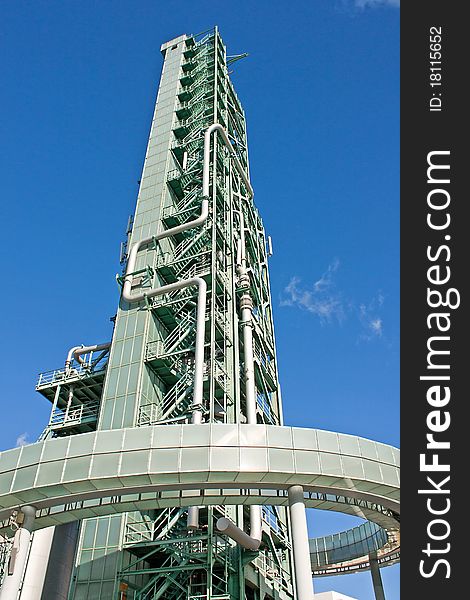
x: 243, y: 281
x: 246, y: 302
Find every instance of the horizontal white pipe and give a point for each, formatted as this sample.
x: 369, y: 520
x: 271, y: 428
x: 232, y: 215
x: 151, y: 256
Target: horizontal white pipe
x: 127, y: 287
x: 200, y: 318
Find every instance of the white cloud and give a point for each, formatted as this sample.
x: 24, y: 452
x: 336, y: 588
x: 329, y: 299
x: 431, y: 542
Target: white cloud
x: 376, y: 326
x: 375, y: 3
x: 22, y: 439
x: 321, y: 299
x: 371, y: 322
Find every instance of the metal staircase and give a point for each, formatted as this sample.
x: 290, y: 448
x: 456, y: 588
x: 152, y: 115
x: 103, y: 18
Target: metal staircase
x: 173, y: 556
x: 180, y: 340
x: 174, y: 403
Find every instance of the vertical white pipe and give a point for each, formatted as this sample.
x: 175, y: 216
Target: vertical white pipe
x: 255, y: 522
x: 14, y: 573
x: 192, y: 522
x: 199, y: 352
x: 35, y: 573
x: 300, y: 547
x: 250, y: 390
x: 376, y: 578
x: 246, y: 305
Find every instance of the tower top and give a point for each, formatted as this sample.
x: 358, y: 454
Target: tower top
x: 174, y: 42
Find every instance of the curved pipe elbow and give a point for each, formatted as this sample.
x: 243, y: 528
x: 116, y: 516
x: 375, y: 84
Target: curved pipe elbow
x: 86, y: 349
x: 76, y: 352
x: 165, y: 289
x: 205, y: 177
x: 127, y: 286
x: 70, y: 355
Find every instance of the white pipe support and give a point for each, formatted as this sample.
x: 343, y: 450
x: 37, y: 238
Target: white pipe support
x: 300, y: 546
x: 246, y: 305
x: 252, y: 541
x: 69, y: 401
x: 17, y: 562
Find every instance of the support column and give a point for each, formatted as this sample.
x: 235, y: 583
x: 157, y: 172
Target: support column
x: 61, y: 562
x: 69, y: 403
x: 376, y: 578
x: 300, y: 547
x: 33, y: 580
x: 16, y: 565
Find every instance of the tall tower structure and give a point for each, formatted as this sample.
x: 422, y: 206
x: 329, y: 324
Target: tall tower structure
x: 193, y: 342
x: 165, y: 471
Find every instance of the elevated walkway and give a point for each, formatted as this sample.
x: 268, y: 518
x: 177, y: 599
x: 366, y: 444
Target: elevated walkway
x: 108, y: 472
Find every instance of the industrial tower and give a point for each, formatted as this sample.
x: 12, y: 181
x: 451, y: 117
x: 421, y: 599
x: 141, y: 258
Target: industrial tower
x: 193, y: 342
x: 193, y: 345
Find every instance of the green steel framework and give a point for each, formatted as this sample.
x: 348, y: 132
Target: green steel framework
x: 149, y: 375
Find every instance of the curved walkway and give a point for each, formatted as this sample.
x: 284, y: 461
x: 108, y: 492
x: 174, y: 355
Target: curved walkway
x: 181, y: 465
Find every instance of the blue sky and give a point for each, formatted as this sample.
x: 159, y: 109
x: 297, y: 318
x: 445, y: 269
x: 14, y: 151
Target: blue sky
x: 320, y: 89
